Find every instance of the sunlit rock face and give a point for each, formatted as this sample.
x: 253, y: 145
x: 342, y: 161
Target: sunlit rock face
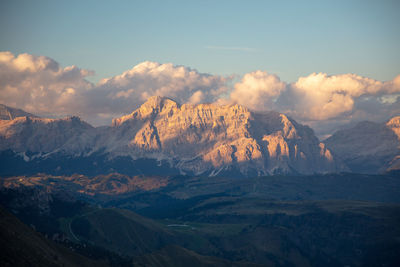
x: 394, y: 125
x: 369, y: 147
x: 209, y: 138
x: 203, y: 139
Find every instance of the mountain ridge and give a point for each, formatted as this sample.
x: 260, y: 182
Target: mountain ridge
x: 10, y: 113
x: 208, y: 136
x: 202, y: 139
x: 368, y: 147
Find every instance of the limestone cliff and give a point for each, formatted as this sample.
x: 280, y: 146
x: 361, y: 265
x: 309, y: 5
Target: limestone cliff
x: 204, y: 139
x: 208, y: 138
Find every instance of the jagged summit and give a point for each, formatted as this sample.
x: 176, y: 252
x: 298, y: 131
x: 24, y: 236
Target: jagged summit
x: 210, y: 138
x: 202, y: 139
x: 154, y: 105
x: 9, y: 113
x: 158, y: 105
x: 44, y: 135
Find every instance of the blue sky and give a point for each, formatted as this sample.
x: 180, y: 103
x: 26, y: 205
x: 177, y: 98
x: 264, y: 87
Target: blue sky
x: 289, y: 38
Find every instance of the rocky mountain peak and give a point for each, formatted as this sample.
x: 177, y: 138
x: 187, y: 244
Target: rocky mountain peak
x: 9, y: 113
x: 157, y: 104
x: 211, y: 138
x: 153, y: 106
x: 202, y: 139
x: 394, y: 125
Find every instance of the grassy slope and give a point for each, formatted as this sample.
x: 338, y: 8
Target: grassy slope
x: 308, y: 233
x: 22, y: 246
x: 239, y: 220
x: 120, y: 231
x: 176, y: 256
x: 238, y: 229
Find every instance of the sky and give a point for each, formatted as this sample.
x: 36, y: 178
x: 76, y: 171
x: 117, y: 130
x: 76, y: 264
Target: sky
x: 325, y: 63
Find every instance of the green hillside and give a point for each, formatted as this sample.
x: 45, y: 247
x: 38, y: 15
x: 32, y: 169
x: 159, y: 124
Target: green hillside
x: 22, y: 246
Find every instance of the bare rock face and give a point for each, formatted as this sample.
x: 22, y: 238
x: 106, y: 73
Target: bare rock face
x: 368, y: 147
x: 9, y: 113
x: 204, y: 139
x: 394, y: 125
x: 40, y: 135
x: 208, y: 138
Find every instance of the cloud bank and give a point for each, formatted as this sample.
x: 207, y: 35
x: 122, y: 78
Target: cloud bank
x: 146, y: 79
x: 39, y: 85
x: 322, y: 97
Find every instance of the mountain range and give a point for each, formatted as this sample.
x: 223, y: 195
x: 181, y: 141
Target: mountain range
x: 135, y: 193
x: 164, y: 137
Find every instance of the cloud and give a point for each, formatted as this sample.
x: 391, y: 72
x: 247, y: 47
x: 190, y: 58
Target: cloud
x: 127, y: 91
x: 197, y: 97
x: 320, y: 100
x: 258, y: 90
x: 318, y: 96
x: 323, y: 97
x: 39, y: 85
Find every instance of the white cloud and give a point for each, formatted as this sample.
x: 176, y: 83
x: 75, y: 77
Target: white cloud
x: 258, y: 90
x: 321, y: 97
x: 197, y: 97
x: 322, y: 101
x: 39, y: 85
x: 127, y: 91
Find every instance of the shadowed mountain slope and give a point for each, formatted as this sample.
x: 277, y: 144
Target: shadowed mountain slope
x: 368, y: 147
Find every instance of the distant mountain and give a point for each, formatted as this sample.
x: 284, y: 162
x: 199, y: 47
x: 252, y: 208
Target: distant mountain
x: 368, y: 147
x: 9, y: 113
x: 42, y: 136
x: 203, y: 139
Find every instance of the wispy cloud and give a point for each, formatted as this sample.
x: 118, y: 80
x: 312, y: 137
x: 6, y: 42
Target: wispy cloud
x: 230, y: 48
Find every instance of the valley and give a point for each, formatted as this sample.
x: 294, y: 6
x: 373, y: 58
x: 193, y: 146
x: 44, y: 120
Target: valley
x: 329, y: 220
